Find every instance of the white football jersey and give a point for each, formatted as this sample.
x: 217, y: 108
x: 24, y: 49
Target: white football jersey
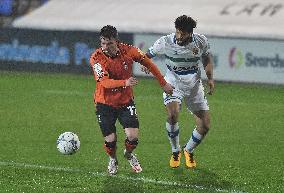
x: 182, y: 61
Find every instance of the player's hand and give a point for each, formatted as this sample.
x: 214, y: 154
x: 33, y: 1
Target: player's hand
x: 131, y: 81
x: 168, y: 89
x: 144, y: 69
x: 211, y: 86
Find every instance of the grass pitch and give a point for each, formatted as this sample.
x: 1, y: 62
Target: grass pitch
x: 243, y: 152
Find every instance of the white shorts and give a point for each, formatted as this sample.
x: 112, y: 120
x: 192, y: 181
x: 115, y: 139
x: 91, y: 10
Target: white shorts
x: 192, y: 93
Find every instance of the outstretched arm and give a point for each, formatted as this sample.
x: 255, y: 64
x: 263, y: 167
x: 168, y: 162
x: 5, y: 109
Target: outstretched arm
x: 142, y: 58
x: 151, y: 67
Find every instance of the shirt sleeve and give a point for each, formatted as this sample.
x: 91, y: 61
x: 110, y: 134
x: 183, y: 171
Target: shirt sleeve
x: 205, y: 45
x: 136, y: 54
x: 101, y: 75
x: 139, y: 56
x: 158, y: 48
x: 147, y: 62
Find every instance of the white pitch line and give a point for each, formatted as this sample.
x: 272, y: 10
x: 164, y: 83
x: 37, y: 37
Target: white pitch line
x: 142, y: 179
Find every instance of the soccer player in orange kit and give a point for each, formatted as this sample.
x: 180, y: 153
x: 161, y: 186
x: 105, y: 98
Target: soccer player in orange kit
x: 114, y: 100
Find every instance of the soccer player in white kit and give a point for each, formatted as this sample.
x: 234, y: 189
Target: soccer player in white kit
x: 183, y: 51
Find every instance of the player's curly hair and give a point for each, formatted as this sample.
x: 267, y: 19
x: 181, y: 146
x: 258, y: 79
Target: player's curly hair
x: 185, y: 23
x: 109, y: 31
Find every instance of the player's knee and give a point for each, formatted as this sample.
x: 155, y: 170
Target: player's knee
x: 110, y: 148
x: 130, y: 145
x: 173, y: 117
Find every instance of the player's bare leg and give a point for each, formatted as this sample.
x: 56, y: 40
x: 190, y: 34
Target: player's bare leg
x: 202, y: 119
x: 131, y: 143
x: 172, y: 127
x: 110, y: 148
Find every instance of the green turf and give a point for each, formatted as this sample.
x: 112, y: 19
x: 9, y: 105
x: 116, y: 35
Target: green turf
x: 243, y: 152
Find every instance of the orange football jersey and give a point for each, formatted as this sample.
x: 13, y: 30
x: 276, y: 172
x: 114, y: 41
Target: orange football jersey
x: 111, y: 74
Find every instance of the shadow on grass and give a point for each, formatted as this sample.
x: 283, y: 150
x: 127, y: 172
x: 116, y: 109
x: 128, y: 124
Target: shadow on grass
x: 201, y: 179
x: 181, y: 180
x: 119, y: 185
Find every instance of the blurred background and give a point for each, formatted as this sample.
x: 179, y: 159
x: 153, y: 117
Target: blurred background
x: 246, y: 36
x: 11, y: 9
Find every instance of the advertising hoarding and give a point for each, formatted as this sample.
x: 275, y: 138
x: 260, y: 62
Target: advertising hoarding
x: 49, y: 51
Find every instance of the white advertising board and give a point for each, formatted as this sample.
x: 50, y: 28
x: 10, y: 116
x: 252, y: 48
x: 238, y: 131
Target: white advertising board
x: 237, y: 60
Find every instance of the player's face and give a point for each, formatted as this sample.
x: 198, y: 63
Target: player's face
x: 109, y: 46
x: 182, y: 37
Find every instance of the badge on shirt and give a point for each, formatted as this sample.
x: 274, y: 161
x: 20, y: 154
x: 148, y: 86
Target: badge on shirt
x: 99, y: 71
x: 195, y: 50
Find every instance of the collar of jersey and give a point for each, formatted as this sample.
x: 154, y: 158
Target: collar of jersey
x: 193, y: 39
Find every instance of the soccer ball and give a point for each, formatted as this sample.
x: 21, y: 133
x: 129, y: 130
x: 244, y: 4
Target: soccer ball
x: 68, y: 143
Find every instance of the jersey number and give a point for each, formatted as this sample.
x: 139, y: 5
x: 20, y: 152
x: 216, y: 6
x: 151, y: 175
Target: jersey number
x: 132, y: 110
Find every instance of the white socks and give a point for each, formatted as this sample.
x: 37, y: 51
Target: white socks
x: 194, y: 141
x: 173, y: 135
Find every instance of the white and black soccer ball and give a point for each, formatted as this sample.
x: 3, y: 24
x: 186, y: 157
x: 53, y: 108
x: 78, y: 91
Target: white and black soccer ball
x: 68, y: 143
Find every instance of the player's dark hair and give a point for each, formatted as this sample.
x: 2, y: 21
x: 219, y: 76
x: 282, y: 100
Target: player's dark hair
x: 185, y: 23
x: 109, y: 31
